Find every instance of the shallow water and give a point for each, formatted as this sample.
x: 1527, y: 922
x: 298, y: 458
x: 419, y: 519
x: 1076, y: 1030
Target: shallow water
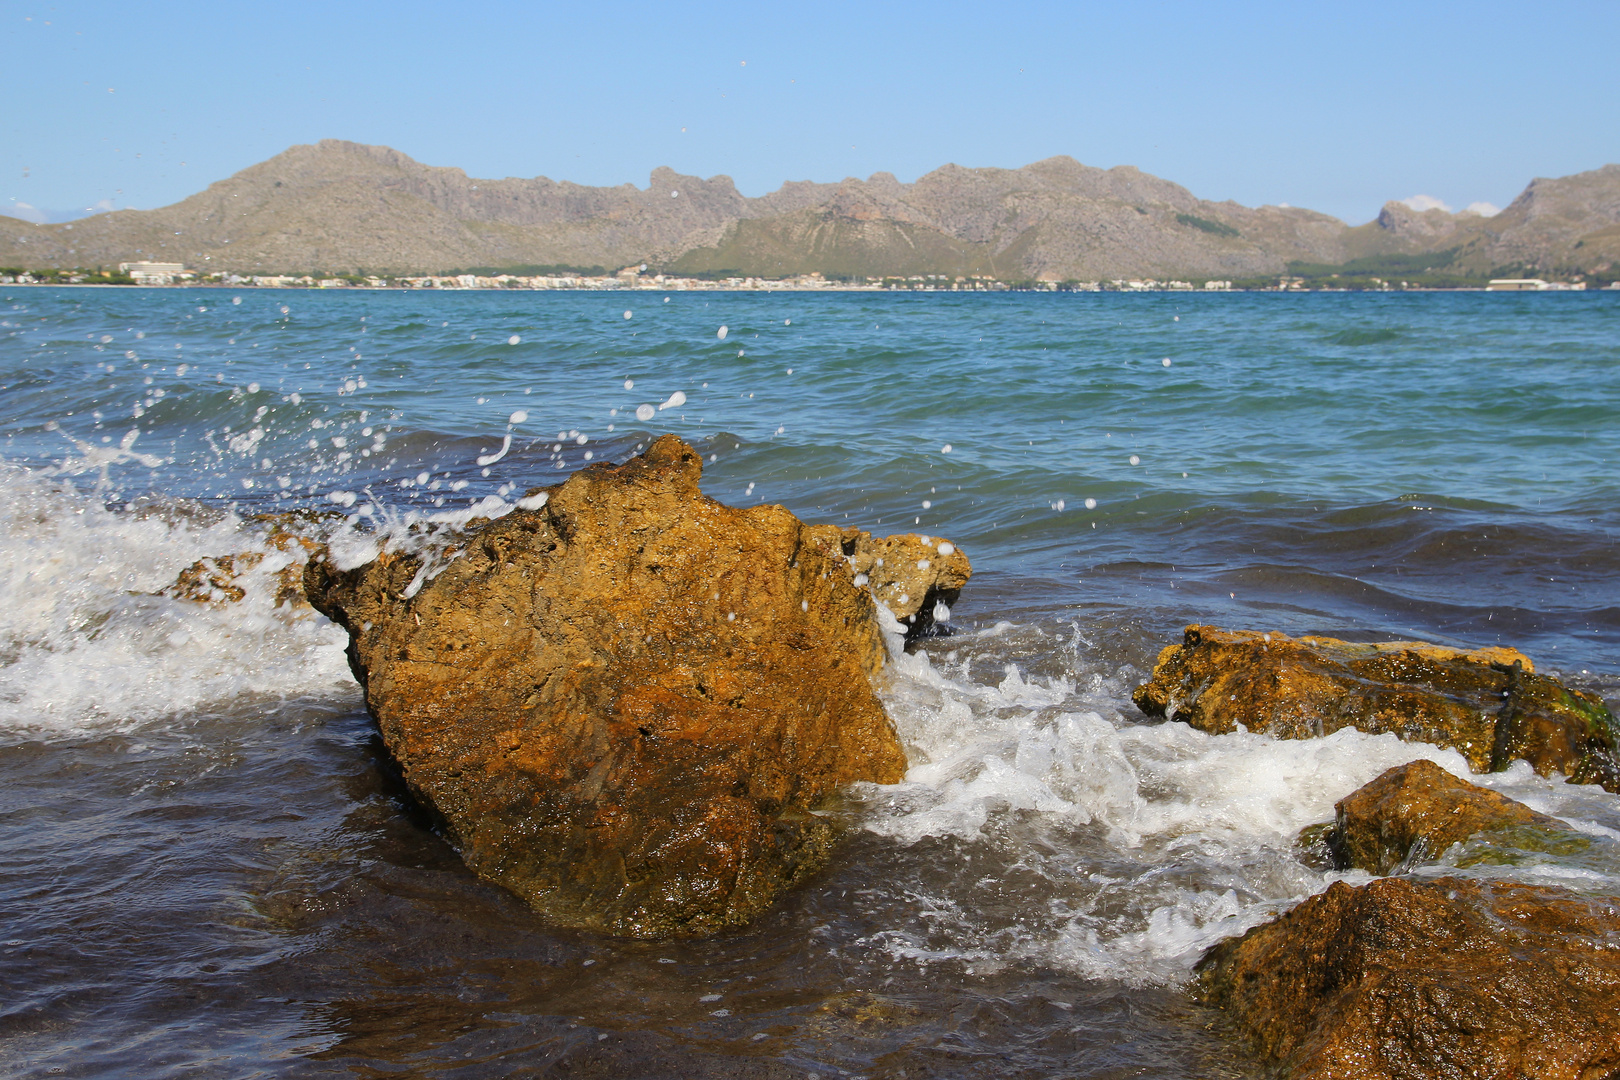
x: 209, y: 867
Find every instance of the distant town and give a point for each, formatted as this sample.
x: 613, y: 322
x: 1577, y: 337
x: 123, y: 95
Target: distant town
x: 640, y: 278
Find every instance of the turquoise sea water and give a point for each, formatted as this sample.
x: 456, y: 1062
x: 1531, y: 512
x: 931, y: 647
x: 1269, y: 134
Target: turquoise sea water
x: 208, y: 864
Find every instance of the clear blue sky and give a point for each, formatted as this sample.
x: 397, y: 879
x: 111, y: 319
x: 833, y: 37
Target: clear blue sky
x: 1336, y: 107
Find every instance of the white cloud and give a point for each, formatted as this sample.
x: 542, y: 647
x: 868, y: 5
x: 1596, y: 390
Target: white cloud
x: 1421, y: 203
x: 1483, y: 209
x: 39, y: 216
x: 26, y: 212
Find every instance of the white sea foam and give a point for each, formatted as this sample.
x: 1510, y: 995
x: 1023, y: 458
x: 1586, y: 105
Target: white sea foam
x: 1150, y: 841
x: 87, y: 645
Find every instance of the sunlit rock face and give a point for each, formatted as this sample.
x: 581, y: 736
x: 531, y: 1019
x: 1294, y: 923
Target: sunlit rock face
x: 625, y: 700
x: 1487, y: 704
x: 1418, y: 811
x: 1427, y: 979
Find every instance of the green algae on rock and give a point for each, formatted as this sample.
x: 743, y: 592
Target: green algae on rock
x: 1487, y: 704
x: 1418, y: 811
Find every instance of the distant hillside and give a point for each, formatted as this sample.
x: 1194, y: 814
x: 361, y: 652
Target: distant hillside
x: 342, y: 207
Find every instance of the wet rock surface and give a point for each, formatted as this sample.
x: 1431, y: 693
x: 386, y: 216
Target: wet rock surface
x: 290, y: 539
x: 916, y: 577
x: 1418, y: 811
x: 1441, y: 978
x: 1488, y: 704
x: 627, y: 701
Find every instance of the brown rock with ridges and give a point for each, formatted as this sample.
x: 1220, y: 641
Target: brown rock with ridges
x: 1431, y: 980
x: 1487, y: 704
x: 1419, y: 809
x: 627, y: 704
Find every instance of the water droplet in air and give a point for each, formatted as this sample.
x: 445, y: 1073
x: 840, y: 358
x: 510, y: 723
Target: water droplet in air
x: 1091, y: 504
x: 517, y: 417
x: 945, y: 449
x: 722, y: 332
x: 928, y: 504
x: 1135, y: 460
x: 1165, y: 361
x: 629, y: 384
x: 627, y: 315
x: 676, y: 400
x: 513, y: 340
x: 645, y: 412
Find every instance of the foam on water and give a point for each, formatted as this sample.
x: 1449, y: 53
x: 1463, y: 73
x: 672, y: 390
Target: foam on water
x: 1136, y: 845
x: 86, y: 642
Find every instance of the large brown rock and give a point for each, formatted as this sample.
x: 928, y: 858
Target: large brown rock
x: 1446, y: 978
x: 1488, y: 704
x: 627, y: 703
x: 1420, y: 810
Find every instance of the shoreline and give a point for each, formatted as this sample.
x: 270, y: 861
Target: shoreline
x: 778, y: 286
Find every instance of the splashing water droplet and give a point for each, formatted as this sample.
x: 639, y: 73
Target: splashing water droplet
x: 1091, y: 504
x: 629, y: 384
x: 1135, y: 460
x: 627, y: 314
x: 645, y: 412
x: 517, y: 417
x: 513, y: 340
x: 722, y: 332
x: 945, y: 449
x: 676, y: 400
x: 1165, y: 361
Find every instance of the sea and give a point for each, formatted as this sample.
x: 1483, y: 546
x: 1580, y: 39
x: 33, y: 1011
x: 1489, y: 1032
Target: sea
x: 208, y: 867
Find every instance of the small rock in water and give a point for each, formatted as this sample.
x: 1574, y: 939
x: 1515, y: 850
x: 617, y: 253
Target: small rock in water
x: 1419, y: 810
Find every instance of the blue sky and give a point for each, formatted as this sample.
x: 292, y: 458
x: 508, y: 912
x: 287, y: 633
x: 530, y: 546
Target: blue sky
x: 1334, y: 107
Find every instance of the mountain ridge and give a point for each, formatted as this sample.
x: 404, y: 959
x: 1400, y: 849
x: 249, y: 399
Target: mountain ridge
x: 339, y: 206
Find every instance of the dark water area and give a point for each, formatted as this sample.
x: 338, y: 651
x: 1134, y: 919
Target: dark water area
x: 207, y: 866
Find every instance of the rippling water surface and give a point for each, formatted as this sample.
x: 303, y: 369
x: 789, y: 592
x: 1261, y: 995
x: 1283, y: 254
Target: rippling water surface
x: 206, y: 865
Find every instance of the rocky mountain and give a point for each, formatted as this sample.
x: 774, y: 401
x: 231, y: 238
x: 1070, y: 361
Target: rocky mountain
x: 343, y: 207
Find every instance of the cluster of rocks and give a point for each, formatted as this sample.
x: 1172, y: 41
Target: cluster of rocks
x: 1414, y: 975
x: 630, y: 705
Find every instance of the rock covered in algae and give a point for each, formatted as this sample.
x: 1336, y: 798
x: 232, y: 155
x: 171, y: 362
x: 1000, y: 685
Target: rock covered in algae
x: 1420, y: 810
x: 1442, y: 978
x: 1487, y: 704
x: 627, y: 701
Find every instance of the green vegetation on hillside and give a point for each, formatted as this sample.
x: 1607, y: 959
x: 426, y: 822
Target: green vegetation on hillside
x: 1218, y: 228
x: 1427, y: 270
x: 534, y: 270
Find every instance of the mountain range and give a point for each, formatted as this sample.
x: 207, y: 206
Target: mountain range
x: 343, y: 207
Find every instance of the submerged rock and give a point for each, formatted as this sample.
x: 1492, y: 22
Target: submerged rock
x: 625, y: 700
x: 1488, y: 704
x: 1428, y: 979
x: 1419, y: 810
x: 295, y: 534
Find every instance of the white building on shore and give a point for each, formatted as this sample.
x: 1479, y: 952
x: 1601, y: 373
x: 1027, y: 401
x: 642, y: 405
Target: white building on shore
x: 155, y: 273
